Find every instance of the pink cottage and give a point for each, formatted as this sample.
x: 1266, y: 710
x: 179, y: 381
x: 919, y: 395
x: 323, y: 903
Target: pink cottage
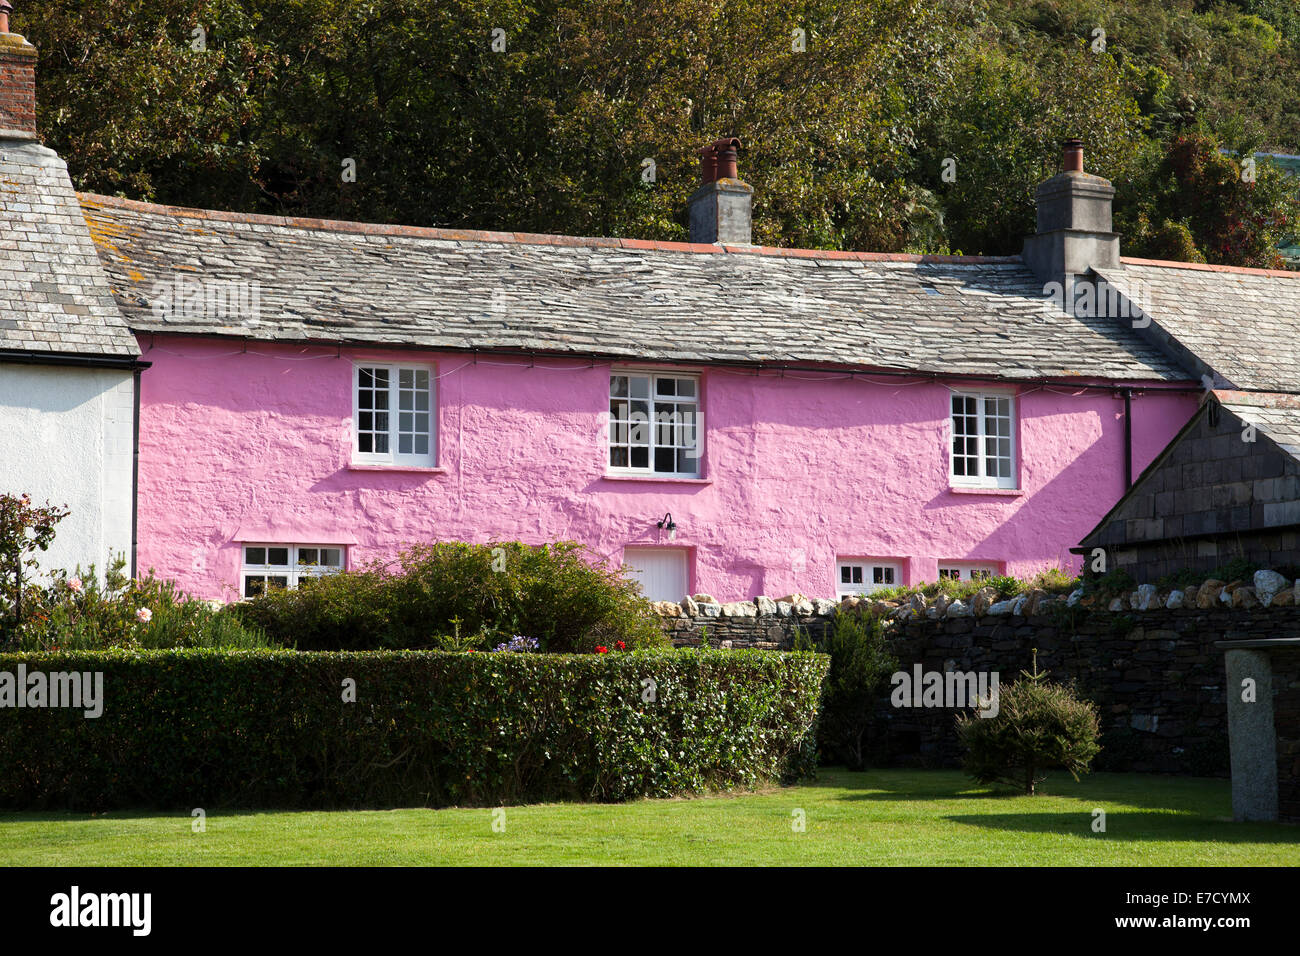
x: 720, y: 417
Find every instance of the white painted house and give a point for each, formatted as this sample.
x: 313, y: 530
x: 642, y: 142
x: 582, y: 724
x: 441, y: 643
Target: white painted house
x: 69, y: 366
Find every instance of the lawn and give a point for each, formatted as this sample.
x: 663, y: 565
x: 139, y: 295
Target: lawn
x: 879, y: 817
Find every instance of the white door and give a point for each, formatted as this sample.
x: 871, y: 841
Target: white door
x: 661, y: 572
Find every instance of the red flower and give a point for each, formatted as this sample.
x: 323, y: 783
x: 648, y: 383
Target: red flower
x: 470, y: 651
x: 602, y: 650
x: 620, y: 645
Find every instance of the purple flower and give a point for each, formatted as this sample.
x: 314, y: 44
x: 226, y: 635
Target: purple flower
x: 520, y: 644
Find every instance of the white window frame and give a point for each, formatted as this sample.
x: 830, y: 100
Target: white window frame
x: 868, y: 568
x: 612, y: 424
x: 293, y: 572
x: 983, y: 479
x: 966, y: 570
x: 393, y: 456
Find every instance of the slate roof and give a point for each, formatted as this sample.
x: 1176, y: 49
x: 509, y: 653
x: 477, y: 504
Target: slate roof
x: 443, y: 289
x: 1243, y: 324
x: 1276, y: 415
x: 54, y: 296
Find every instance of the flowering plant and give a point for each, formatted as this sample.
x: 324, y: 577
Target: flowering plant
x: 520, y: 644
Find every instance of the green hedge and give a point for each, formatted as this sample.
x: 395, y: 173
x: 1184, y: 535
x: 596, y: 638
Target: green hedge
x: 269, y: 728
x: 561, y: 594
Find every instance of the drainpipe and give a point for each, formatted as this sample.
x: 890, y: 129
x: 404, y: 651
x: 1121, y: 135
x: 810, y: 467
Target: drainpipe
x: 1128, y: 438
x: 135, y: 475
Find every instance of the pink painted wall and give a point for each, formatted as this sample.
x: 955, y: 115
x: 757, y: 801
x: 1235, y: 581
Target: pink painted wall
x: 256, y: 447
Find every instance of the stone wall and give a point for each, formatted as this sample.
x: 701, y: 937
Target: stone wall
x: 1156, y: 676
x: 762, y: 623
x: 1154, y: 672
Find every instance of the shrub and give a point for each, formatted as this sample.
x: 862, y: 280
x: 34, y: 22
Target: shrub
x: 860, y: 665
x: 953, y: 588
x: 1114, y: 581
x: 895, y: 592
x: 1039, y: 725
x: 559, y: 594
x: 76, y: 612
x: 24, y: 530
x: 1007, y: 587
x: 272, y: 728
x: 1053, y: 580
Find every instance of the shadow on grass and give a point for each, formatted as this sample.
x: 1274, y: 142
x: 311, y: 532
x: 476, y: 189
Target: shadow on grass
x: 1204, y: 796
x: 48, y: 816
x: 1140, y: 827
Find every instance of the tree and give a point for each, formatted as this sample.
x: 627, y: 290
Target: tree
x: 861, y: 663
x: 1003, y: 126
x: 547, y: 134
x: 1200, y: 204
x: 1038, y: 725
x: 541, y: 116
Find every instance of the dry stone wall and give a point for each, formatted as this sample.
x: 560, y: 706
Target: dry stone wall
x: 1147, y: 659
x: 764, y: 623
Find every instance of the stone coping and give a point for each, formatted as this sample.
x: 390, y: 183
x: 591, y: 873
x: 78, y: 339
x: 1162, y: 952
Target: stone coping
x: 1259, y: 643
x: 1267, y: 590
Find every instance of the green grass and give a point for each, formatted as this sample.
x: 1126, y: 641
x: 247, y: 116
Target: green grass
x: 884, y: 817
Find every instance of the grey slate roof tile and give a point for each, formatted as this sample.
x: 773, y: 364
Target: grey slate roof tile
x: 1244, y: 324
x: 54, y: 295
x: 441, y: 289
x: 1275, y: 414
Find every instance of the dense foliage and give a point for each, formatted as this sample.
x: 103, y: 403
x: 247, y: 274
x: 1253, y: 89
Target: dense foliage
x: 79, y: 611
x: 848, y: 112
x: 25, y: 528
x: 1039, y: 725
x: 201, y: 728
x: 860, y: 665
x: 456, y: 596
x: 61, y: 610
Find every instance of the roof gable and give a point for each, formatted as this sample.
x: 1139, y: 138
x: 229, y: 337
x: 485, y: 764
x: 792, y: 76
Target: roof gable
x: 1275, y: 419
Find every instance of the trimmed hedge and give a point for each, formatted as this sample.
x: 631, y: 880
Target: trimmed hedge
x: 269, y: 728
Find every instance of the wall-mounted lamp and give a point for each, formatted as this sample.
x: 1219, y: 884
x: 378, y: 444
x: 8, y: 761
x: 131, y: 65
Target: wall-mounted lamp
x: 667, y: 522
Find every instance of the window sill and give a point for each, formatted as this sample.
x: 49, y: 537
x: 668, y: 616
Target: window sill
x: 660, y: 478
x: 976, y: 490
x: 415, y: 469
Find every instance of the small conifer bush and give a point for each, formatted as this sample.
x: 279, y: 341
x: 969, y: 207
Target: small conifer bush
x: 1038, y: 725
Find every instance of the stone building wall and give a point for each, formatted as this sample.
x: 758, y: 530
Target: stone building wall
x: 1221, y: 492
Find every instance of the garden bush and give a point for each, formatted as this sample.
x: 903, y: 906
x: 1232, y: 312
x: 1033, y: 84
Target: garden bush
x: 1039, y: 725
x: 272, y: 728
x: 25, y: 528
x: 75, y: 611
x: 560, y: 594
x: 860, y: 665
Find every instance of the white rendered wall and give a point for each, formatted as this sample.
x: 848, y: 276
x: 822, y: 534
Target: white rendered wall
x: 65, y: 436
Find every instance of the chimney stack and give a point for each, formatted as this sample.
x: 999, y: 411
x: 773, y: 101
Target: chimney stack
x: 721, y: 209
x: 1074, y: 226
x: 17, y: 82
